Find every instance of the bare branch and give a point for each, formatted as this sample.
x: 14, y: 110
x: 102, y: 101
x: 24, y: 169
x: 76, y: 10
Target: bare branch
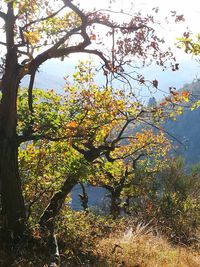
x: 30, y: 91
x: 82, y: 16
x: 164, y: 131
x: 136, y: 159
x: 114, y: 25
x: 54, y: 52
x: 42, y: 19
x: 119, y: 137
x: 2, y: 43
x: 110, y: 11
x: 100, y: 55
x: 3, y: 15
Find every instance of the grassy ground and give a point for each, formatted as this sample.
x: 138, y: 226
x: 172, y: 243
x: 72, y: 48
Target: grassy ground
x: 142, y: 248
x: 86, y: 240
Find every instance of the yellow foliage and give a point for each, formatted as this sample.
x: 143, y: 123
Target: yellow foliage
x: 32, y: 37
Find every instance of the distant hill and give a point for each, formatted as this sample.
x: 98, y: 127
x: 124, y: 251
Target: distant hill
x: 187, y: 128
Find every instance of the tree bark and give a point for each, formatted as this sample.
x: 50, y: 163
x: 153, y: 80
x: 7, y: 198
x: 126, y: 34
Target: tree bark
x: 53, y: 251
x: 13, y: 208
x: 114, y: 208
x: 12, y: 203
x: 114, y: 194
x: 84, y: 198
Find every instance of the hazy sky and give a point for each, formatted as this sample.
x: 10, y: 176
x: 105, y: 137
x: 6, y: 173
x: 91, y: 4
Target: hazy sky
x: 189, y: 68
x: 190, y: 9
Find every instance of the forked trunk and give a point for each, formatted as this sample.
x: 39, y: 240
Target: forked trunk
x: 52, y: 210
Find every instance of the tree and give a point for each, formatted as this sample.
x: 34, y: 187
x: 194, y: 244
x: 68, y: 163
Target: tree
x: 76, y: 129
x: 35, y: 31
x: 96, y: 122
x: 49, y: 170
x: 148, y: 151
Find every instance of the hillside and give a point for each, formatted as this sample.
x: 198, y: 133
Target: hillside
x: 186, y: 129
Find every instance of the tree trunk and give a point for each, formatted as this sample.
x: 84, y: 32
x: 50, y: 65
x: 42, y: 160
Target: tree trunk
x: 114, y: 208
x: 48, y: 217
x: 47, y: 220
x: 53, y: 251
x: 84, y: 198
x: 13, y: 209
x: 127, y: 206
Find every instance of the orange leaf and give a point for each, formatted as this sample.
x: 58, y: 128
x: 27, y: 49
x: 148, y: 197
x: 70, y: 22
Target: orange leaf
x: 93, y: 37
x: 185, y: 95
x: 73, y: 124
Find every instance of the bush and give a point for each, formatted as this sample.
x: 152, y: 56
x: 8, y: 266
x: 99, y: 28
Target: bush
x: 175, y: 204
x: 78, y: 232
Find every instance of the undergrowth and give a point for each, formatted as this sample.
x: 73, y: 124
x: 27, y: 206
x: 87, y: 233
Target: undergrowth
x: 86, y: 239
x: 143, y: 248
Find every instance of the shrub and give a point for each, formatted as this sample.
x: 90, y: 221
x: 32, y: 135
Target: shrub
x: 174, y: 202
x: 78, y: 232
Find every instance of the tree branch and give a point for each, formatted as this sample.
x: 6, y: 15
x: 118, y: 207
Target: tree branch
x: 36, y: 198
x: 42, y: 19
x: 164, y: 131
x: 121, y: 132
x: 100, y: 55
x: 3, y: 15
x: 119, y: 137
x: 54, y: 52
x: 30, y: 92
x: 113, y: 25
x: 2, y: 43
x: 82, y: 16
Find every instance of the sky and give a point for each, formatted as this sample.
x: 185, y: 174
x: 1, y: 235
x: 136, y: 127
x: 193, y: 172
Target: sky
x: 190, y: 9
x: 170, y: 31
x: 189, y: 68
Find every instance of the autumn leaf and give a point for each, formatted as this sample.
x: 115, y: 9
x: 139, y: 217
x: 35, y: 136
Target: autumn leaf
x: 180, y: 111
x: 32, y: 37
x: 155, y: 83
x: 93, y: 37
x: 72, y: 124
x: 185, y: 96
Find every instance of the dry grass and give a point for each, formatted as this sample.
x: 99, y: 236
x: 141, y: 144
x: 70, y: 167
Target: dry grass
x: 142, y: 248
x: 104, y: 245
